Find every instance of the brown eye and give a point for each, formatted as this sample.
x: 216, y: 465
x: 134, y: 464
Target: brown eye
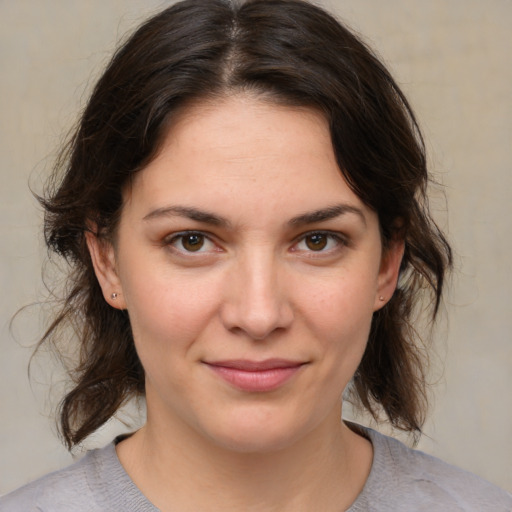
x: 193, y: 242
x: 316, y: 242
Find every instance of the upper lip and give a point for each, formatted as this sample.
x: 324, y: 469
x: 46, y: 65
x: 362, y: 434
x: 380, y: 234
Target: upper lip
x: 248, y: 365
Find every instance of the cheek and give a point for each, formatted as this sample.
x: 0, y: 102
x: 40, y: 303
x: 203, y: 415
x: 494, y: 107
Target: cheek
x: 339, y: 313
x: 337, y: 303
x: 167, y: 309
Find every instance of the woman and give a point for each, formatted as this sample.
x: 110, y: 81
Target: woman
x: 244, y: 191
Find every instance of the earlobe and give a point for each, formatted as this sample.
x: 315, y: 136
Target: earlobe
x: 104, y: 263
x: 388, y: 273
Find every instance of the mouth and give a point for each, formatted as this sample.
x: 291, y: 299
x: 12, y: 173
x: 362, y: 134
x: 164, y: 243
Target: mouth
x: 256, y: 376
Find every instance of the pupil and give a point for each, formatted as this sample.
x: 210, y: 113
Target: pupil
x: 193, y: 242
x: 316, y: 242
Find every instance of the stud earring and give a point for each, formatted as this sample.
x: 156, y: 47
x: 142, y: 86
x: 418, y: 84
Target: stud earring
x: 113, y: 296
x: 381, y: 298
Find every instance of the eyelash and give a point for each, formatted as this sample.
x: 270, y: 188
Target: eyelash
x: 174, y: 239
x: 337, y: 238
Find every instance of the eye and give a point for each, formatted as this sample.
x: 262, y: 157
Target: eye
x: 319, y: 242
x: 191, y: 242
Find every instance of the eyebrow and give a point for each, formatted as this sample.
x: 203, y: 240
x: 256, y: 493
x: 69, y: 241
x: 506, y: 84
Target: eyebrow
x: 321, y: 215
x: 331, y: 212
x: 189, y: 212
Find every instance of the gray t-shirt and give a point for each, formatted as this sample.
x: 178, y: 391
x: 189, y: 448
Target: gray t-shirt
x: 400, y: 480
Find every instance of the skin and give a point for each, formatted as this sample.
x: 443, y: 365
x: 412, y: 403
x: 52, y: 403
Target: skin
x: 270, y: 280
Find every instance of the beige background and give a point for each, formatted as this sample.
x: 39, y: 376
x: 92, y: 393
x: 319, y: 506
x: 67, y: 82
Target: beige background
x: 452, y: 58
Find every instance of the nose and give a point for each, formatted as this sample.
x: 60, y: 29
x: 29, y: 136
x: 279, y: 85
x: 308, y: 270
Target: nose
x: 256, y: 304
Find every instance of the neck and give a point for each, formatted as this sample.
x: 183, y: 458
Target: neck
x: 325, y: 470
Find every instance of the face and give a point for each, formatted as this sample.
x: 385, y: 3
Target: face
x: 250, y: 272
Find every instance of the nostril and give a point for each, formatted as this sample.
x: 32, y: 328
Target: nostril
x: 257, y: 323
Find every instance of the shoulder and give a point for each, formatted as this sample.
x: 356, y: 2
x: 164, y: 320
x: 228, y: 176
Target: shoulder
x: 59, y: 490
x: 405, y: 479
x: 95, y: 483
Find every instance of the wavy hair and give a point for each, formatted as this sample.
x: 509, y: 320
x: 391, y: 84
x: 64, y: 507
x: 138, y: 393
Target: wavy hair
x: 289, y: 52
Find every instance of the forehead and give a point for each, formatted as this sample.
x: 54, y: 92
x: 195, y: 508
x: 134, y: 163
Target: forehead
x: 242, y: 152
x: 247, y: 126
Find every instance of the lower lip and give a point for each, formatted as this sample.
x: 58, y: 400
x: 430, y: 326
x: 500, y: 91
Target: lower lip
x: 256, y: 381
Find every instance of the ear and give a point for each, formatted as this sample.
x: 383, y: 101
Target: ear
x: 104, y: 263
x: 388, y: 272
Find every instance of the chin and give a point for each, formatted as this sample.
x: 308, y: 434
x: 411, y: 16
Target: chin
x: 250, y: 434
x: 251, y: 442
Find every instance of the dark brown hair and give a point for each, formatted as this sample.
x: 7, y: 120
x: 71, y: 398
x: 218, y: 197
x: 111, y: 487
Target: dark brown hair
x: 285, y: 51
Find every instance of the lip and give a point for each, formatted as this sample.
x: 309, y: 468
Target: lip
x: 256, y: 376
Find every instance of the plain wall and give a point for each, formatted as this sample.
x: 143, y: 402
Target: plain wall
x: 452, y: 59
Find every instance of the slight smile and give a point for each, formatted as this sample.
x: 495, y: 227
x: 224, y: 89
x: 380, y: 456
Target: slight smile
x: 256, y: 376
